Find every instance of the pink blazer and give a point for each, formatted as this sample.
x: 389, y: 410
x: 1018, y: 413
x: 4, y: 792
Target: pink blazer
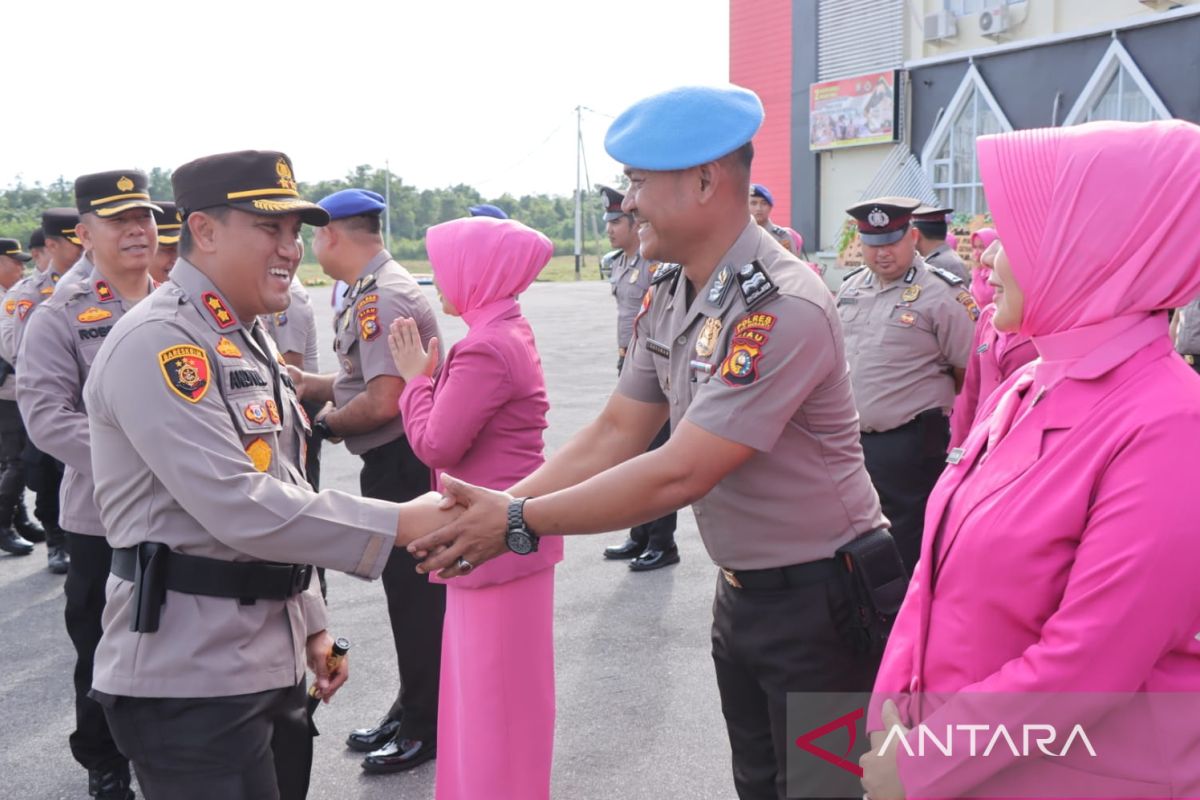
x: 994, y: 357
x: 1067, y: 562
x: 482, y: 421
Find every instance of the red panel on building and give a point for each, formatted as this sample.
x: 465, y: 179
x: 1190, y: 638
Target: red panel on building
x: 760, y: 58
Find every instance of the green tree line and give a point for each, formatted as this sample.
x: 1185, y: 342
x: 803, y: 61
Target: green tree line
x: 411, y: 211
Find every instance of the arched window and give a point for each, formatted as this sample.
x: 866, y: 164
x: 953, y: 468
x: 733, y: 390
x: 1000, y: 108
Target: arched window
x: 949, y: 154
x: 1117, y: 90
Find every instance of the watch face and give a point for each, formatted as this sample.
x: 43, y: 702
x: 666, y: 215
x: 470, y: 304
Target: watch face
x: 520, y: 542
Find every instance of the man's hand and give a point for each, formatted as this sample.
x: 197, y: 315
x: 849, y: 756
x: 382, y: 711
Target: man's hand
x: 881, y: 778
x: 477, y: 535
x: 297, y: 377
x: 418, y: 517
x: 410, y: 357
x: 318, y: 649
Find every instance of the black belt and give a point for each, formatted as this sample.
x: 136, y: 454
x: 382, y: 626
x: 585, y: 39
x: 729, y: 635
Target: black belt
x: 783, y: 577
x: 154, y: 568
x: 929, y: 412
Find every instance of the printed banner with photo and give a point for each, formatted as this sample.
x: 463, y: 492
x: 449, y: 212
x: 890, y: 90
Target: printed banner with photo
x: 854, y: 111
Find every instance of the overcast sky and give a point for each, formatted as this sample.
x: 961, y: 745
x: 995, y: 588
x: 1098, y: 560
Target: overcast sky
x: 448, y: 91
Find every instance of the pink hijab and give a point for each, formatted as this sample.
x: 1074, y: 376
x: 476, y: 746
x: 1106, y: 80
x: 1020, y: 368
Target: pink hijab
x: 481, y: 264
x: 981, y: 290
x: 1098, y: 220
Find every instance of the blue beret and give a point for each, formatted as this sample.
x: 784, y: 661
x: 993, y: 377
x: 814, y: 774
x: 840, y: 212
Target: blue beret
x: 683, y: 127
x: 758, y: 190
x: 487, y: 210
x: 352, y: 202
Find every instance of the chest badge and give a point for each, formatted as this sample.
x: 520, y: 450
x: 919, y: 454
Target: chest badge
x: 907, y: 319
x: 633, y: 276
x: 911, y: 293
x: 228, y: 348
x: 706, y: 343
x: 260, y: 454
x: 93, y: 314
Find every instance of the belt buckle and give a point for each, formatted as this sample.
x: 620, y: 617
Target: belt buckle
x: 731, y: 578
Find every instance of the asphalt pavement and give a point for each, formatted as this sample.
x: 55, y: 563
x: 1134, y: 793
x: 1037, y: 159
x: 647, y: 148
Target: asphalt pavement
x: 638, y: 713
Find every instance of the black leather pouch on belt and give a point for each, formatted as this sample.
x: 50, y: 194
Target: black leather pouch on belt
x: 877, y: 582
x: 149, y: 586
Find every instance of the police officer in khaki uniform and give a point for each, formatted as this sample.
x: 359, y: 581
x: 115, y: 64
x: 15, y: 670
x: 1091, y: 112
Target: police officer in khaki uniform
x: 294, y: 331
x: 931, y: 226
x: 170, y: 223
x: 198, y: 442
x: 12, y: 430
x: 741, y: 349
x: 652, y: 545
x: 62, y: 337
x: 908, y: 329
x: 37, y: 249
x: 1185, y: 329
x: 363, y: 411
x: 761, y: 203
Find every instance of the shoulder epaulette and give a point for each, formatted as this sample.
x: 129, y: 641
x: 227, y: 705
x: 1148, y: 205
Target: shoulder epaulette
x: 945, y: 274
x: 610, y: 257
x: 853, y: 272
x: 755, y: 284
x: 665, y: 272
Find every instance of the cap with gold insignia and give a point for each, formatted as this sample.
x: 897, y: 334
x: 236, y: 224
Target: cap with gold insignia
x: 37, y: 239
x: 109, y: 193
x: 684, y: 127
x: 931, y: 220
x: 612, y: 203
x: 60, y: 223
x: 12, y: 249
x: 883, y: 220
x: 169, y: 222
x: 256, y: 181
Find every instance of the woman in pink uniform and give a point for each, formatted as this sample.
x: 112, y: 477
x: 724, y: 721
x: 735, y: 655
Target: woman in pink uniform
x: 1061, y: 546
x: 482, y: 420
x: 994, y: 356
x: 981, y: 241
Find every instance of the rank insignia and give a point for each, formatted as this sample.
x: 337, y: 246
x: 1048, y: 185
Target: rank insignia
x: 706, y: 343
x: 103, y: 293
x: 216, y: 307
x: 23, y: 307
x: 228, y: 348
x: 255, y: 413
x: 755, y: 284
x: 185, y: 367
x: 969, y: 302
x: 93, y: 314
x: 260, y: 454
x: 281, y: 318
x: 716, y: 292
x: 273, y: 411
x: 911, y: 293
x: 10, y: 306
x: 907, y: 319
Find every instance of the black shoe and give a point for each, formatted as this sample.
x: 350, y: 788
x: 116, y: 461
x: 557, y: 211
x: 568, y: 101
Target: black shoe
x: 630, y: 549
x: 110, y: 784
x: 57, y: 560
x: 11, y: 542
x: 28, y: 528
x: 368, y: 740
x: 655, y: 559
x: 399, y: 755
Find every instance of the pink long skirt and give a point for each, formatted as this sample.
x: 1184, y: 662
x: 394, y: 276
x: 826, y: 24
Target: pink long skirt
x: 496, y: 708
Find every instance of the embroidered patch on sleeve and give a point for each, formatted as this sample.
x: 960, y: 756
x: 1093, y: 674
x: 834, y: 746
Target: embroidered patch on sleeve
x: 969, y: 301
x: 186, y: 370
x: 750, y: 335
x: 23, y: 307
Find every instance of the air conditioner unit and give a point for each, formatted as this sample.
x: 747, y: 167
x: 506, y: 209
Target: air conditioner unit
x: 942, y: 25
x: 994, y: 21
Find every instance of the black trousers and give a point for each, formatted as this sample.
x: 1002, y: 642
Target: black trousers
x: 657, y: 534
x: 416, y: 606
x: 217, y: 747
x: 12, y: 467
x: 766, y: 644
x: 91, y: 742
x: 43, y: 474
x: 904, y: 464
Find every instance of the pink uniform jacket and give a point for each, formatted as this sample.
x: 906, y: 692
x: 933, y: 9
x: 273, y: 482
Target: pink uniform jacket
x: 994, y: 357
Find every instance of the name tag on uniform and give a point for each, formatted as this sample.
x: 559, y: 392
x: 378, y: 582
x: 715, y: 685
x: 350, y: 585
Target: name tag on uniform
x: 983, y: 348
x: 956, y: 455
x: 847, y: 301
x: 658, y: 348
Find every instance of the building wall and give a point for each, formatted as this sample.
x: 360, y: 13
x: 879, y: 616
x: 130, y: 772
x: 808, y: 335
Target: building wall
x: 760, y: 57
x: 845, y: 175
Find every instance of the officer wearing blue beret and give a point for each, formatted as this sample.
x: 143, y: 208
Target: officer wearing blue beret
x: 487, y: 210
x: 761, y: 203
x: 361, y: 408
x: 738, y: 345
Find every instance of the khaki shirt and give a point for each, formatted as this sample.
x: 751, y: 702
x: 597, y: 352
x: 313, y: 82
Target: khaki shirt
x: 384, y: 291
x: 63, y: 337
x: 19, y: 302
x: 295, y: 329
x: 1187, y: 332
x: 782, y: 235
x: 630, y: 279
x: 945, y: 258
x: 81, y: 270
x: 198, y: 443
x: 757, y: 358
x: 903, y: 340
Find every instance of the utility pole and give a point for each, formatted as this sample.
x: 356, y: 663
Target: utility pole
x: 578, y: 192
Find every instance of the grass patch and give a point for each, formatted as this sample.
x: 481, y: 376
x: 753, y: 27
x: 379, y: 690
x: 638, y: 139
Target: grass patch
x: 560, y: 268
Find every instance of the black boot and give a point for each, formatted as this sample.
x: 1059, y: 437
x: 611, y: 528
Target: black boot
x: 110, y: 784
x: 57, y: 557
x: 11, y: 542
x: 26, y: 526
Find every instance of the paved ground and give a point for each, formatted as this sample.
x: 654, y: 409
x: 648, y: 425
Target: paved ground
x: 638, y: 715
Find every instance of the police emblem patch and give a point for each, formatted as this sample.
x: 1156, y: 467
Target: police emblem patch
x: 740, y: 367
x: 260, y: 454
x: 368, y: 323
x: 93, y: 314
x: 255, y: 413
x: 281, y: 318
x: 10, y: 306
x: 186, y: 370
x: 968, y: 301
x: 124, y: 184
x: 228, y: 348
x: 878, y: 218
x: 23, y: 307
x: 219, y: 312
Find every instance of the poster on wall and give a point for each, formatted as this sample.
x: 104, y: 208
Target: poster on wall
x: 852, y: 112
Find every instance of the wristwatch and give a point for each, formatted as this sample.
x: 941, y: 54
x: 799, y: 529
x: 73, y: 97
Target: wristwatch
x: 321, y: 428
x: 518, y: 537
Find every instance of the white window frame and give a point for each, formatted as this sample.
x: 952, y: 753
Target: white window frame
x: 972, y: 82
x: 1114, y: 58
